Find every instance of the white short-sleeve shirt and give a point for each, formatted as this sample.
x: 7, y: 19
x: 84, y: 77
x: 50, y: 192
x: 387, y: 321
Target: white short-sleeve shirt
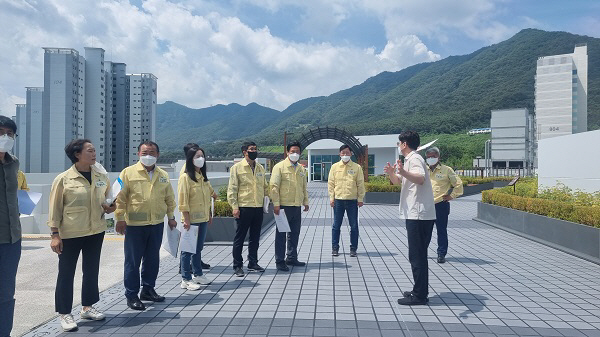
x: 416, y: 201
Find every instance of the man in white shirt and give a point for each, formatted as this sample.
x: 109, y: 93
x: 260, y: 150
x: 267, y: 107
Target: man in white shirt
x: 418, y: 210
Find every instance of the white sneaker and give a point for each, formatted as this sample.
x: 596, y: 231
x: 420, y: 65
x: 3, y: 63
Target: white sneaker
x: 68, y: 322
x: 201, y: 280
x: 93, y: 314
x: 189, y: 285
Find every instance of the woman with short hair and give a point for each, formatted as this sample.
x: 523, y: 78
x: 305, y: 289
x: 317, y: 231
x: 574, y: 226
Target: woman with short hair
x: 76, y: 218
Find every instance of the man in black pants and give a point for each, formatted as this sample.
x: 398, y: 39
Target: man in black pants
x: 418, y: 210
x: 288, y: 190
x: 10, y: 226
x: 245, y: 193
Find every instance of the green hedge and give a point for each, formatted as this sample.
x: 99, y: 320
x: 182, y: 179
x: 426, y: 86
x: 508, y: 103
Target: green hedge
x: 479, y: 180
x: 223, y: 209
x: 371, y: 187
x: 558, y: 202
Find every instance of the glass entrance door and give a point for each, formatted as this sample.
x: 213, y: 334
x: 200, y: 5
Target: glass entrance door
x: 326, y: 169
x: 316, y: 172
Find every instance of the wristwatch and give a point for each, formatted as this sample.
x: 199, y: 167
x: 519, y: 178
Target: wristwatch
x: 53, y: 233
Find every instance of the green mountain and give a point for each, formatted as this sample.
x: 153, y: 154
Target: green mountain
x: 443, y: 97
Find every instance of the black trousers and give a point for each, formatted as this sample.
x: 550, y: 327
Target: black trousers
x: 419, y: 236
x: 10, y: 254
x: 250, y: 220
x: 90, y: 248
x: 294, y: 217
x: 142, y: 248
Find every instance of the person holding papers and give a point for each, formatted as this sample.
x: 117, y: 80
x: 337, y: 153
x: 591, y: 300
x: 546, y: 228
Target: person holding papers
x: 246, y: 193
x: 146, y: 197
x: 76, y: 218
x: 288, y: 192
x: 195, y: 192
x: 186, y: 148
x: 10, y: 226
x: 346, y: 186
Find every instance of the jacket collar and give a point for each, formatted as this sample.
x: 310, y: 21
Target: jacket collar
x: 72, y: 173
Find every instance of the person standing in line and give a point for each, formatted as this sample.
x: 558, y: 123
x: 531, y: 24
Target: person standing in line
x: 443, y: 179
x: 288, y: 192
x: 346, y: 187
x: 195, y: 192
x: 418, y: 210
x: 10, y: 226
x: 146, y: 197
x: 186, y: 148
x: 76, y: 220
x: 246, y: 193
x: 22, y: 181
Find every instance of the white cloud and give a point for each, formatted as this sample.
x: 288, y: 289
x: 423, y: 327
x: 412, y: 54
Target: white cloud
x: 200, y: 57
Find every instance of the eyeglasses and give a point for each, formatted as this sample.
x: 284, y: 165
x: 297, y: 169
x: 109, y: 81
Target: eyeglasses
x: 9, y: 133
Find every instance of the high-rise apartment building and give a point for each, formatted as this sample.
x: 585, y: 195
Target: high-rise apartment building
x: 85, y: 97
x: 561, y: 93
x: 140, y: 112
x: 95, y: 101
x: 20, y: 147
x: 63, y: 105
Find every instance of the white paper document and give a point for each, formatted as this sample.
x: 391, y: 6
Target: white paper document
x: 266, y: 204
x: 189, y: 240
x: 282, y: 222
x: 116, y: 187
x: 27, y: 201
x: 171, y: 240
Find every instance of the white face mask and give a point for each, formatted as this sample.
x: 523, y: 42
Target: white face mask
x: 6, y: 143
x: 294, y: 157
x: 431, y: 161
x: 199, y: 162
x: 148, y: 160
x: 400, y: 150
x: 345, y: 159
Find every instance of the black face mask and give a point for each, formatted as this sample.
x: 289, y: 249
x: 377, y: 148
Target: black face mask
x: 252, y: 155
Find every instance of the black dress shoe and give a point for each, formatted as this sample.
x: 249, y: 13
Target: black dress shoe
x: 135, y: 303
x: 255, y: 267
x: 410, y: 293
x: 412, y: 300
x: 281, y: 266
x: 295, y: 263
x: 441, y: 259
x: 205, y: 265
x: 149, y: 294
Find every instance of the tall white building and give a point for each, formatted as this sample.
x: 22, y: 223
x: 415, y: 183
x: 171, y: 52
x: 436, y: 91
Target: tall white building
x: 140, y: 122
x: 85, y: 97
x: 513, y: 135
x: 561, y: 93
x: 95, y: 104
x: 63, y: 105
x: 20, y: 144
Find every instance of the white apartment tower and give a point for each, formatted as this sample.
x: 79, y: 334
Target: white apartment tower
x: 140, y: 122
x: 561, y: 93
x: 95, y: 101
x: 85, y: 98
x: 20, y: 148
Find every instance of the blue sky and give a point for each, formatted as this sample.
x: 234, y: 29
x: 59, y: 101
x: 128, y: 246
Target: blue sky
x: 273, y: 52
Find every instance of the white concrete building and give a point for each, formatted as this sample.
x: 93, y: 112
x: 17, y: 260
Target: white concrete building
x: 323, y: 153
x: 570, y: 160
x: 117, y: 100
x: 513, y: 139
x: 63, y: 105
x: 141, y: 112
x: 95, y: 114
x: 33, y: 143
x: 20, y: 148
x: 561, y: 93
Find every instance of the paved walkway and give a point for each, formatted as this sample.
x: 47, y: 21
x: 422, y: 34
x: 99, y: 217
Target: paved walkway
x: 494, y: 284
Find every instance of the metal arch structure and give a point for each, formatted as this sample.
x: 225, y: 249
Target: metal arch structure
x: 360, y: 151
x: 343, y: 136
